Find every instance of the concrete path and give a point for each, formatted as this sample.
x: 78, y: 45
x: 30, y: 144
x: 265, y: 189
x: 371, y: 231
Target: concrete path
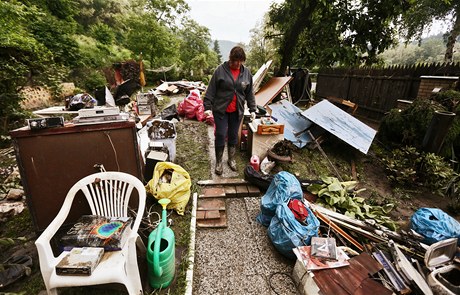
x: 239, y: 259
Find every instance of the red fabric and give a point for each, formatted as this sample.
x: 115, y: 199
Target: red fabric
x: 298, y: 209
x: 232, y: 106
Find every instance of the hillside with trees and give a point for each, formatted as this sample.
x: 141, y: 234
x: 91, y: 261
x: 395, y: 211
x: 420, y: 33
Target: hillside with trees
x: 44, y: 43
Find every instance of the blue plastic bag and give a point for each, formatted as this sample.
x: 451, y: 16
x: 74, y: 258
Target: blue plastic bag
x: 435, y: 225
x: 283, y: 187
x: 286, y: 232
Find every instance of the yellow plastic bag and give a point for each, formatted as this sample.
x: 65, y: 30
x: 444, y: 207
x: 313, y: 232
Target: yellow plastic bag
x: 176, y: 188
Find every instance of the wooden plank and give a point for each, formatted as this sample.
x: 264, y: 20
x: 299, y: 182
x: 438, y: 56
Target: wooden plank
x: 241, y: 191
x: 271, y: 89
x: 214, y: 223
x: 230, y: 191
x: 340, y: 231
x: 212, y: 214
x: 222, y: 181
x: 211, y: 204
x: 353, y: 279
x: 253, y: 191
x: 200, y: 215
x: 213, y: 192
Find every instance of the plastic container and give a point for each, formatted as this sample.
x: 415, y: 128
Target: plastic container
x: 161, y: 253
x: 255, y: 162
x: 163, y: 131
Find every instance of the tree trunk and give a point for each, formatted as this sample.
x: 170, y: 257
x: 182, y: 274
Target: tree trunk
x: 291, y: 35
x: 454, y: 33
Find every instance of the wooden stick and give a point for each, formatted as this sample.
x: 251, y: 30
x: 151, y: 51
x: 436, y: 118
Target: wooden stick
x: 324, y: 154
x: 338, y: 230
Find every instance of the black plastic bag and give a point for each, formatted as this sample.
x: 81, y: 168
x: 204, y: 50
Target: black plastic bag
x: 169, y: 113
x: 124, y: 91
x: 260, y: 180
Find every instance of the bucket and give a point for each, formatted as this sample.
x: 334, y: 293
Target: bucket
x: 255, y: 162
x: 161, y: 257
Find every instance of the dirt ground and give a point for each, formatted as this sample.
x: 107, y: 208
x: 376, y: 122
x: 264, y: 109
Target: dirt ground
x: 406, y: 201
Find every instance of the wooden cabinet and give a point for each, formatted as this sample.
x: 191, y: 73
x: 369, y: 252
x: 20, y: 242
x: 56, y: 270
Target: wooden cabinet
x: 52, y: 160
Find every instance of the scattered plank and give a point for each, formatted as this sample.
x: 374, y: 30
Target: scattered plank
x: 213, y: 192
x: 253, y: 191
x: 230, y: 191
x: 211, y: 204
x: 205, y: 215
x: 213, y: 223
x: 222, y: 181
x: 241, y: 191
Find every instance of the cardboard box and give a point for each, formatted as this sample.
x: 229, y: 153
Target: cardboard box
x: 144, y: 109
x: 145, y: 98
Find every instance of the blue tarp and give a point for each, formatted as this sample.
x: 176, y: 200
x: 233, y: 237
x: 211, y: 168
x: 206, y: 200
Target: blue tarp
x: 295, y: 124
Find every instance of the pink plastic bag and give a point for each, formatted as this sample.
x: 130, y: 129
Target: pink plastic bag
x: 192, y: 106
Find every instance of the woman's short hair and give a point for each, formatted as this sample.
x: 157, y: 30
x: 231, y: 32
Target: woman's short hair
x: 237, y: 53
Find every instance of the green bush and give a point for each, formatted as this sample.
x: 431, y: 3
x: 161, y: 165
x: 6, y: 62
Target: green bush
x: 409, y: 167
x: 409, y: 126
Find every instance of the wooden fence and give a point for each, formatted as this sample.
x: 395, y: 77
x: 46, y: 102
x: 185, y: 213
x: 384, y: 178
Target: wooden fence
x: 377, y: 90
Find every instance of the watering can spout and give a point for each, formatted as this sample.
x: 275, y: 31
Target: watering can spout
x: 157, y: 269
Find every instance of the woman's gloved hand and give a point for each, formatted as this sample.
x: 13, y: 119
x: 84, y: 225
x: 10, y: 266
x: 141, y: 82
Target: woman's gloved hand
x: 253, y: 116
x: 208, y: 113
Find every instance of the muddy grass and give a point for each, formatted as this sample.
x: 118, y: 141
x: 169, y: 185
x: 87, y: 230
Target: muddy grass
x: 192, y: 155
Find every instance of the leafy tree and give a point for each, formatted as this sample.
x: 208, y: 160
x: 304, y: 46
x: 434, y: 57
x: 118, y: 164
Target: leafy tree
x: 194, y: 41
x: 102, y: 33
x: 421, y: 14
x: 57, y: 36
x: 166, y: 11
x: 63, y: 9
x: 261, y: 49
x: 428, y: 50
x: 290, y: 18
x: 217, y: 51
x: 157, y: 43
x: 91, y: 12
x: 21, y: 57
x: 402, y: 55
x: 314, y: 32
x: 198, y: 64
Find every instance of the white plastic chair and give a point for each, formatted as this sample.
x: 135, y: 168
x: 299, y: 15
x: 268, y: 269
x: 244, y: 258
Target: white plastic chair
x: 108, y: 194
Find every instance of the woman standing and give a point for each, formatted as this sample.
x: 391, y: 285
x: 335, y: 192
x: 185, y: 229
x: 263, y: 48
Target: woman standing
x: 230, y: 87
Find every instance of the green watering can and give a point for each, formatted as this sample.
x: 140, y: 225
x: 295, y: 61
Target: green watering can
x: 161, y: 253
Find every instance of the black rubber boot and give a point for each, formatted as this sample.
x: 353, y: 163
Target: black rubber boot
x: 231, y: 157
x: 219, y: 153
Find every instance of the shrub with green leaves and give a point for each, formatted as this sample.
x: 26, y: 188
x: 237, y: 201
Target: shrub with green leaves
x: 342, y: 197
x: 452, y: 191
x: 401, y: 167
x: 407, y: 166
x: 409, y: 126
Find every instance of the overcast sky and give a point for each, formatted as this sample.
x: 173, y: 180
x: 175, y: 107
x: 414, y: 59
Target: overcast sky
x: 229, y: 20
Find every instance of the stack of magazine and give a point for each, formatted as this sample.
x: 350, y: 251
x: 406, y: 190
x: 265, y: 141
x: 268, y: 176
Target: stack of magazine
x: 322, y: 254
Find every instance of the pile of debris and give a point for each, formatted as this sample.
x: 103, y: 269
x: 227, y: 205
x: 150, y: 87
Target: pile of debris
x: 402, y: 262
x: 175, y: 87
